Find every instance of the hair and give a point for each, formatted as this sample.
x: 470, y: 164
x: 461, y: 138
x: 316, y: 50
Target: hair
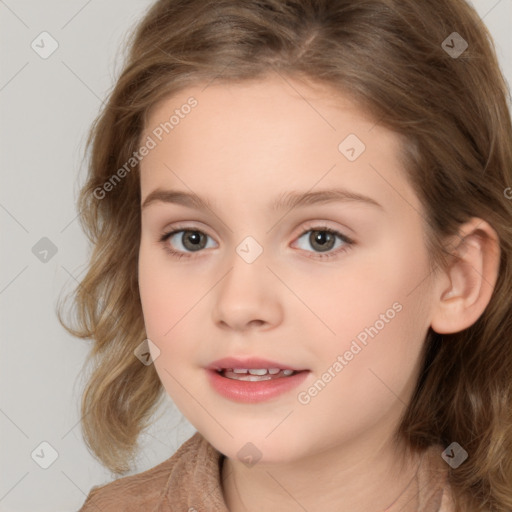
x: 388, y: 57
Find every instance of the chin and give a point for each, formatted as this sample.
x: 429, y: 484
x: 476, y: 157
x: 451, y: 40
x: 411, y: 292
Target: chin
x: 249, y: 447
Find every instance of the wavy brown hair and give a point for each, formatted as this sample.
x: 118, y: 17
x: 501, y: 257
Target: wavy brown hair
x: 388, y: 57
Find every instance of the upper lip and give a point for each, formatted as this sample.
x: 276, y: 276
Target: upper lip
x: 248, y: 363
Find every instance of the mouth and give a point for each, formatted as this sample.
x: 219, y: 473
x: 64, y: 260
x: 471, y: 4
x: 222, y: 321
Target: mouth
x: 256, y: 374
x: 255, y: 380
x: 252, y: 369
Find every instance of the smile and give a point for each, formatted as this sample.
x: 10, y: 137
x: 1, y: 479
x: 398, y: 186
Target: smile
x: 255, y: 374
x: 243, y: 386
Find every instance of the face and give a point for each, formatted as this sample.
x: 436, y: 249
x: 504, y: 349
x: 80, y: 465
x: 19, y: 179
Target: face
x: 337, y: 288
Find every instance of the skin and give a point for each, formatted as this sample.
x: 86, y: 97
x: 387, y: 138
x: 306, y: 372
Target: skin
x: 242, y: 146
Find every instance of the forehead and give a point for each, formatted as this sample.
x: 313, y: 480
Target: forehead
x: 272, y: 134
x: 267, y: 105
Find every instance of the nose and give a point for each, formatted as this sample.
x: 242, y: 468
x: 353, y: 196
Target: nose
x: 247, y: 297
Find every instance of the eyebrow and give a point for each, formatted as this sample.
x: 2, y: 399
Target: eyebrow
x: 287, y: 200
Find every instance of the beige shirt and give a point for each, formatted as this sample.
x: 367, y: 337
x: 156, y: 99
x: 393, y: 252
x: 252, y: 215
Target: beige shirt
x: 190, y: 481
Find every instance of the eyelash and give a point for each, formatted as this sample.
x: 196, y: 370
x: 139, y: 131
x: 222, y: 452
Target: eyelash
x: 322, y: 229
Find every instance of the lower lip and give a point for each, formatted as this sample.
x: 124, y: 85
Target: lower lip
x: 251, y: 392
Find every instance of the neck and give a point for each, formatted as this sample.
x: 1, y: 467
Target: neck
x: 343, y: 479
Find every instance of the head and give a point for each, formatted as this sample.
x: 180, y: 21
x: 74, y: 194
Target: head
x: 274, y: 89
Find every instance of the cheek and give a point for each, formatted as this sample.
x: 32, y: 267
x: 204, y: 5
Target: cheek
x: 166, y: 296
x: 168, y: 299
x: 377, y: 377
x: 163, y: 305
x: 368, y: 285
x: 380, y: 315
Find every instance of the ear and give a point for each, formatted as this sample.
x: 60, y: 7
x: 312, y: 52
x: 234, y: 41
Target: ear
x: 463, y: 291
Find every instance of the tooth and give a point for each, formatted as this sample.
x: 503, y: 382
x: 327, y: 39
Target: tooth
x: 287, y: 372
x: 254, y: 378
x: 273, y: 371
x: 239, y: 370
x: 262, y: 371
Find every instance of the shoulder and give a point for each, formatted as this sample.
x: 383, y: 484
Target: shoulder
x: 140, y: 491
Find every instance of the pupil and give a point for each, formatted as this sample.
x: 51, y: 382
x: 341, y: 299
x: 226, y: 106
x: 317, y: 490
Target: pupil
x: 195, y: 236
x: 321, y: 237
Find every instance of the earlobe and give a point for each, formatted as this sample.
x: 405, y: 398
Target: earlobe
x: 464, y: 290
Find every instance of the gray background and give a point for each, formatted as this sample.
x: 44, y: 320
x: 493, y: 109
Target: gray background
x: 47, y: 106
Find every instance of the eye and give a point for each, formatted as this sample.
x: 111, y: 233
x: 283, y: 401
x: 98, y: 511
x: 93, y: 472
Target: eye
x: 190, y: 239
x: 321, y: 238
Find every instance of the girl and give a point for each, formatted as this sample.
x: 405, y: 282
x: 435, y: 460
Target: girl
x: 301, y: 217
